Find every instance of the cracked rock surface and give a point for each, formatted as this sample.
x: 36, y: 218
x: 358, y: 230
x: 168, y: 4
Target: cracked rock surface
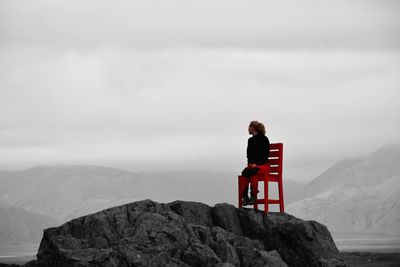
x: 147, y: 233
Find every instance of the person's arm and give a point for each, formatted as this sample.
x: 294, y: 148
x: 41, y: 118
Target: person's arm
x: 266, y: 147
x: 247, y: 152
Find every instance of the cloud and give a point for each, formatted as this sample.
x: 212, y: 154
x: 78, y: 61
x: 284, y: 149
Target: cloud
x: 310, y: 24
x: 184, y: 105
x: 177, y: 83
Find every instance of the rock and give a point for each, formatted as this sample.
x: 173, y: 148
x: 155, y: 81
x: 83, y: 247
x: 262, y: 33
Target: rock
x: 300, y: 243
x: 147, y: 233
x: 225, y: 216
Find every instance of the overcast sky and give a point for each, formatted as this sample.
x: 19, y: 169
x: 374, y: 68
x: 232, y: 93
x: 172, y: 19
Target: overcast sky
x: 173, y: 84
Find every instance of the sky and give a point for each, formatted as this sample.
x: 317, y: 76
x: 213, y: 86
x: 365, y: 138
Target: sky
x: 172, y: 85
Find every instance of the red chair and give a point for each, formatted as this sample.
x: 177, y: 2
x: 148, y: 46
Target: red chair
x: 274, y: 175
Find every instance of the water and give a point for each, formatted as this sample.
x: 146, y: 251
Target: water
x: 386, y: 244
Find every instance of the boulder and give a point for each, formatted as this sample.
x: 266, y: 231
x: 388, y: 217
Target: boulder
x: 147, y: 233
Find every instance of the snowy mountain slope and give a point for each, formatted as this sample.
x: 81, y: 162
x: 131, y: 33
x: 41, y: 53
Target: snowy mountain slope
x: 363, y: 198
x: 325, y: 180
x: 290, y: 190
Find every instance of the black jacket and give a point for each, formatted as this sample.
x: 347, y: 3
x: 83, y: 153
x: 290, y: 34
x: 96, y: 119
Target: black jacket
x: 257, y: 150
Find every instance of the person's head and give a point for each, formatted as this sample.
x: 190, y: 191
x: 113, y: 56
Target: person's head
x: 256, y: 127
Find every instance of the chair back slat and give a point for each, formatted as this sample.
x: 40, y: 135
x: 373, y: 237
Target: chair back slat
x: 274, y: 169
x: 274, y: 161
x: 275, y: 158
x: 275, y: 146
x: 274, y: 154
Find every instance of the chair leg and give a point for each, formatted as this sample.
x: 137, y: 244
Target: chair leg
x: 239, y: 193
x: 266, y: 196
x: 255, y: 187
x: 281, y: 205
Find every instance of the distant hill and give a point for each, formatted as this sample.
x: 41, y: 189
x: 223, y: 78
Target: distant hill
x: 355, y: 196
x: 64, y: 192
x: 325, y: 180
x: 290, y: 191
x: 56, y: 191
x: 19, y: 227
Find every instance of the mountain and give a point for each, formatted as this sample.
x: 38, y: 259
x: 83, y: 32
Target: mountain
x: 64, y: 192
x: 21, y: 228
x: 181, y: 233
x: 356, y: 196
x: 67, y: 191
x: 290, y: 190
x: 325, y: 180
x: 56, y: 191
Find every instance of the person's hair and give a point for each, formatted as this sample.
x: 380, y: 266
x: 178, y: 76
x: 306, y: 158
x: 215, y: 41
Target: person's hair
x: 258, y: 127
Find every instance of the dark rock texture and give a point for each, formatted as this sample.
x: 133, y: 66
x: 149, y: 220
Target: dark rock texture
x: 147, y: 233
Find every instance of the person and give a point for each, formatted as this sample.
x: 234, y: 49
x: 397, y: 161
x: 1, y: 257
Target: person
x: 257, y: 160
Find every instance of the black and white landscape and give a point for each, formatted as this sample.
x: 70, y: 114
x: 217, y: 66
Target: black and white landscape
x: 57, y: 194
x: 104, y: 103
x: 356, y: 198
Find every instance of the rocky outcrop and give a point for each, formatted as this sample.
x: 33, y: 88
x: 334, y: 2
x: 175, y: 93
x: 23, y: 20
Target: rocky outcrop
x: 147, y: 233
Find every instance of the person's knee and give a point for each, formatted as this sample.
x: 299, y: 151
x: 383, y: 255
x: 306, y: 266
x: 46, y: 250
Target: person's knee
x: 250, y: 172
x: 246, y: 172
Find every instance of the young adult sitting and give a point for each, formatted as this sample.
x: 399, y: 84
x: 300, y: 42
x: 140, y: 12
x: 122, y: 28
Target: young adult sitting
x: 257, y: 160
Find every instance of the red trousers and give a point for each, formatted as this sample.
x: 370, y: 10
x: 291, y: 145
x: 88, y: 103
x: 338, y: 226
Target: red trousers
x: 244, y: 181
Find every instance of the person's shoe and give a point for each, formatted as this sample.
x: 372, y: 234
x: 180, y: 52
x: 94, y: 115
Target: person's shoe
x: 253, y: 199
x: 245, y: 200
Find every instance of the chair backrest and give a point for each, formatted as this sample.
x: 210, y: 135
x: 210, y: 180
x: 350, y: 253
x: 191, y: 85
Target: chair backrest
x: 276, y: 159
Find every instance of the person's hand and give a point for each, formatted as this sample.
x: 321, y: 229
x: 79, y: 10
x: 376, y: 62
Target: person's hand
x: 253, y: 165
